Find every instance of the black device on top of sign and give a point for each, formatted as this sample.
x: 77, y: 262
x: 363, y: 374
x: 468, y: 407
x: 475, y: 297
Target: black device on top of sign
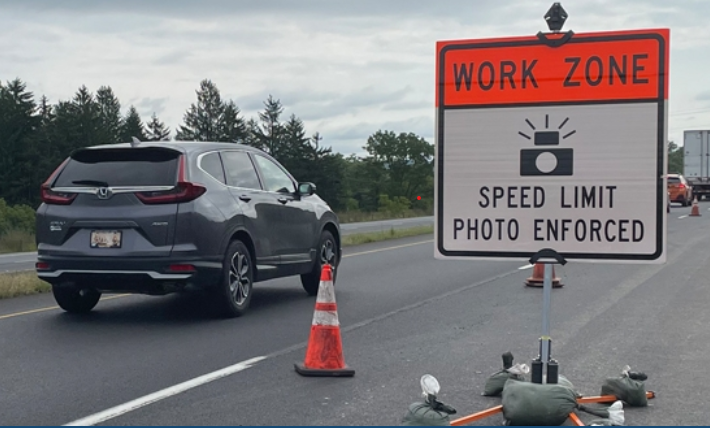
x: 546, y: 161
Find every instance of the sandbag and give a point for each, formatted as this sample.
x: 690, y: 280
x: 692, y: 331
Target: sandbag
x: 563, y: 381
x: 496, y: 381
x: 629, y: 388
x: 630, y: 391
x: 534, y: 404
x: 422, y: 414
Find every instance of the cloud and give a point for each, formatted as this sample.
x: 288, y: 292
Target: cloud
x: 422, y: 126
x: 236, y: 8
x: 175, y: 57
x: 148, y: 106
x: 346, y: 68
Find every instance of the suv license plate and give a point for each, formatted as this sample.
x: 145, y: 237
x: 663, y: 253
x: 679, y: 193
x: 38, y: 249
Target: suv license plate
x: 106, y: 239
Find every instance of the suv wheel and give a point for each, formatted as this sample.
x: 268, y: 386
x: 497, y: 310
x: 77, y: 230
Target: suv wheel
x: 234, y: 293
x: 327, y: 254
x: 76, y: 300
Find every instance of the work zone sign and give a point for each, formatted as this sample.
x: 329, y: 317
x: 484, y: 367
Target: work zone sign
x: 553, y: 142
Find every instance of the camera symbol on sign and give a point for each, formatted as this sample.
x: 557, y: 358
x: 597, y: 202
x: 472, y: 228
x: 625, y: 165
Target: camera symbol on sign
x: 546, y: 160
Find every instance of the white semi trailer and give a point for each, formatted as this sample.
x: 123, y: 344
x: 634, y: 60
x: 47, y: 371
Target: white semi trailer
x: 696, y: 162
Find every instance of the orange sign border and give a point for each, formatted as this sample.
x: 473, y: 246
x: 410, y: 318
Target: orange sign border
x: 662, y: 36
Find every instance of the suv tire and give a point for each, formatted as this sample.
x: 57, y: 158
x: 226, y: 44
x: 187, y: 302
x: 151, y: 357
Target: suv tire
x: 327, y: 253
x: 76, y: 300
x: 235, y: 290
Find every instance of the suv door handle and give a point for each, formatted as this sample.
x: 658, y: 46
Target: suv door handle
x: 245, y: 198
x: 283, y: 200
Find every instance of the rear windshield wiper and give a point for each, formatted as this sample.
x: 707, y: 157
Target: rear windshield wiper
x: 90, y: 183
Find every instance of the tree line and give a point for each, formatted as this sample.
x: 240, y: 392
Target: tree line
x: 675, y: 158
x: 36, y: 136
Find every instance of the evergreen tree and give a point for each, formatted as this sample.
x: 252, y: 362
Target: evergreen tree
x: 18, y: 122
x: 296, y: 146
x: 109, y: 111
x: 83, y: 122
x: 252, y: 130
x: 42, y: 153
x: 46, y: 111
x: 269, y: 134
x: 317, y: 151
x: 232, y: 127
x: 35, y: 137
x: 202, y: 120
x: 156, y: 130
x: 133, y: 127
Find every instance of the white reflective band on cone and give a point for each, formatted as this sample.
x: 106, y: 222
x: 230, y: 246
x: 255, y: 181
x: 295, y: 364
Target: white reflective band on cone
x: 329, y: 318
x: 326, y: 293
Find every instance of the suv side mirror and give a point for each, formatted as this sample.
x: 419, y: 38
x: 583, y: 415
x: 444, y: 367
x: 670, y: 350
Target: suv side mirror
x: 306, y: 189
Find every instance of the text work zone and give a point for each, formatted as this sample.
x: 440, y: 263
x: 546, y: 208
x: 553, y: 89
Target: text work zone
x: 622, y: 70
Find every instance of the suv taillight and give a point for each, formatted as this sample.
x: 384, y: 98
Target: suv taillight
x: 184, y: 191
x: 681, y: 186
x: 54, y: 198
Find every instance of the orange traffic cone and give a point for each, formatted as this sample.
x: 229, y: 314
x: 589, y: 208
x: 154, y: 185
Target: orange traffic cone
x: 695, y: 211
x: 538, y: 277
x: 324, y: 355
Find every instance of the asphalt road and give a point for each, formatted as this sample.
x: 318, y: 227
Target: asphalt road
x: 16, y: 262
x: 26, y: 261
x: 403, y: 314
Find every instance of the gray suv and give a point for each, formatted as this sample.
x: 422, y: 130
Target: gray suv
x: 162, y: 217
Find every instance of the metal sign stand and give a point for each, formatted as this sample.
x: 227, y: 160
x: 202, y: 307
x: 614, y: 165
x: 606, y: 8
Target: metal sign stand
x: 555, y: 19
x: 544, y: 363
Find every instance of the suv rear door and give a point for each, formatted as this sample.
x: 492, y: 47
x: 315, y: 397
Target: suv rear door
x: 298, y: 231
x: 261, y: 212
x: 113, y: 202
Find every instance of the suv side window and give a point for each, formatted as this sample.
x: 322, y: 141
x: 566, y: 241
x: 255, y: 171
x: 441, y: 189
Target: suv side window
x: 275, y: 179
x: 240, y: 170
x: 212, y: 165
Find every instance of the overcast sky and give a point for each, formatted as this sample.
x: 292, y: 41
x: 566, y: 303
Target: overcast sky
x: 347, y: 68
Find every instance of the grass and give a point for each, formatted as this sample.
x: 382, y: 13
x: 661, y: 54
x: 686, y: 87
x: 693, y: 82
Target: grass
x: 27, y: 283
x: 16, y: 241
x: 358, y: 216
x: 366, y: 238
x: 21, y: 284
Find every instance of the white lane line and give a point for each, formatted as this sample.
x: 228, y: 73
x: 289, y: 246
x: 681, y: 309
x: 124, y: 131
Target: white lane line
x: 525, y: 267
x: 136, y: 404
x: 683, y: 216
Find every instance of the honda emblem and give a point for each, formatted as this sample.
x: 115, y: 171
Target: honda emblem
x: 103, y: 193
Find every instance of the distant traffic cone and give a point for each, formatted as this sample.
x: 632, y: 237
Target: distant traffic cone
x: 324, y: 355
x: 538, y: 277
x: 695, y: 211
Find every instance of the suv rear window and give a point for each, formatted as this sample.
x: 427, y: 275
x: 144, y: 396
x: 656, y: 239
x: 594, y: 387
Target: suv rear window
x: 673, y: 180
x: 121, y: 167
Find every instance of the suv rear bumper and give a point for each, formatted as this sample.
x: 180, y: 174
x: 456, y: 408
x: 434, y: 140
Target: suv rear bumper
x: 136, y: 275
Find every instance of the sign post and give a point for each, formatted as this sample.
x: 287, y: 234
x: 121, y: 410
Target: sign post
x: 552, y: 148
